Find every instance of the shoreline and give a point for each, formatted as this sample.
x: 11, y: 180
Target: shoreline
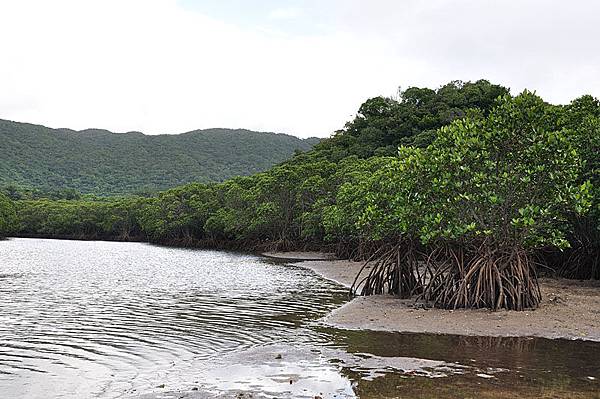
x: 299, y: 256
x: 570, y: 309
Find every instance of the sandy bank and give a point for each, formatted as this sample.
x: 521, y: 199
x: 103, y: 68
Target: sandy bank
x: 570, y: 309
x: 307, y: 256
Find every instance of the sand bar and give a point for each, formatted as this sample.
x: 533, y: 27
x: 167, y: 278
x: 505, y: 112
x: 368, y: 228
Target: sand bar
x: 570, y: 309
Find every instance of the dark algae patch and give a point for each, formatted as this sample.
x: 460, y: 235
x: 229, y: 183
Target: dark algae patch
x: 494, y: 367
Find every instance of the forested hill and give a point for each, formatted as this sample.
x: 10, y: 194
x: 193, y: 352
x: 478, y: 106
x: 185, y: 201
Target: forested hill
x: 105, y: 163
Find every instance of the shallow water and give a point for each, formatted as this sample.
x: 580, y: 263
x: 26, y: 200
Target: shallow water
x: 110, y: 320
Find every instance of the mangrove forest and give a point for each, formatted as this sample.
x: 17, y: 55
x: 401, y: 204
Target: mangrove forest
x: 459, y: 196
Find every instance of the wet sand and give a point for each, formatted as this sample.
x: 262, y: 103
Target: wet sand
x: 300, y: 255
x: 570, y: 309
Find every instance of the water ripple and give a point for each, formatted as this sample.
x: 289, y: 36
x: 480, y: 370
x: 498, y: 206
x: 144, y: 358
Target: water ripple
x: 99, y: 317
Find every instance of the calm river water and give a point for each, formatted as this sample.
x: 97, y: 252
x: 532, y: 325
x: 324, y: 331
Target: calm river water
x: 125, y: 320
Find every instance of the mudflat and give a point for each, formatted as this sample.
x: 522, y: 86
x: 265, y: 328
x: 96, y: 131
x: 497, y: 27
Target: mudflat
x: 570, y: 309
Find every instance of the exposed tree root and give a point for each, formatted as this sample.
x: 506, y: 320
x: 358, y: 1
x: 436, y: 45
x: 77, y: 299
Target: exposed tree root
x: 582, y: 260
x: 356, y: 250
x: 582, y: 263
x: 395, y: 270
x: 484, y: 278
x: 451, y: 278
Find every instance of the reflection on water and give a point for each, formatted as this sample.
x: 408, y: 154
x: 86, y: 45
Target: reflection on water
x: 109, y: 320
x: 494, y: 367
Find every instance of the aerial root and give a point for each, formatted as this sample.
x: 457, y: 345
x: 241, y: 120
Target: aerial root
x: 453, y: 278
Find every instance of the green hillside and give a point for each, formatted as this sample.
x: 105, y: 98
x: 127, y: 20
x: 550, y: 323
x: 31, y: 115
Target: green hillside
x: 104, y: 163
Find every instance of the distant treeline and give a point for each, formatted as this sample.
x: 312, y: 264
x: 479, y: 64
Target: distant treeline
x: 99, y: 162
x: 458, y: 195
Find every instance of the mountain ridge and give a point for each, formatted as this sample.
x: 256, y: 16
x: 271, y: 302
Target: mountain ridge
x: 101, y: 162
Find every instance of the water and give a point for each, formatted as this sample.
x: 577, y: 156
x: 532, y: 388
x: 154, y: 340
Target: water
x: 119, y: 320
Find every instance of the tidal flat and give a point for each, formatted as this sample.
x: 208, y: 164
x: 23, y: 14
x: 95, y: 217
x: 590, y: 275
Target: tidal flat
x: 93, y: 319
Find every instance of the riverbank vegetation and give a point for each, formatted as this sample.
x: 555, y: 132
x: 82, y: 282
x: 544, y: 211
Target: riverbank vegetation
x: 460, y: 196
x: 7, y: 216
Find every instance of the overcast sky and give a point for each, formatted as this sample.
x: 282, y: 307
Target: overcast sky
x: 299, y: 67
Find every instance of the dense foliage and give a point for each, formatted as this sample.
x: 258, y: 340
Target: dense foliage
x: 413, y: 119
x: 7, y: 216
x: 487, y: 190
x: 36, y: 158
x: 482, y: 188
x: 582, y: 259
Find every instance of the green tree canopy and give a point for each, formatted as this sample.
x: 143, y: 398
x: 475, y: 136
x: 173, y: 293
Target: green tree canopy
x: 7, y: 215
